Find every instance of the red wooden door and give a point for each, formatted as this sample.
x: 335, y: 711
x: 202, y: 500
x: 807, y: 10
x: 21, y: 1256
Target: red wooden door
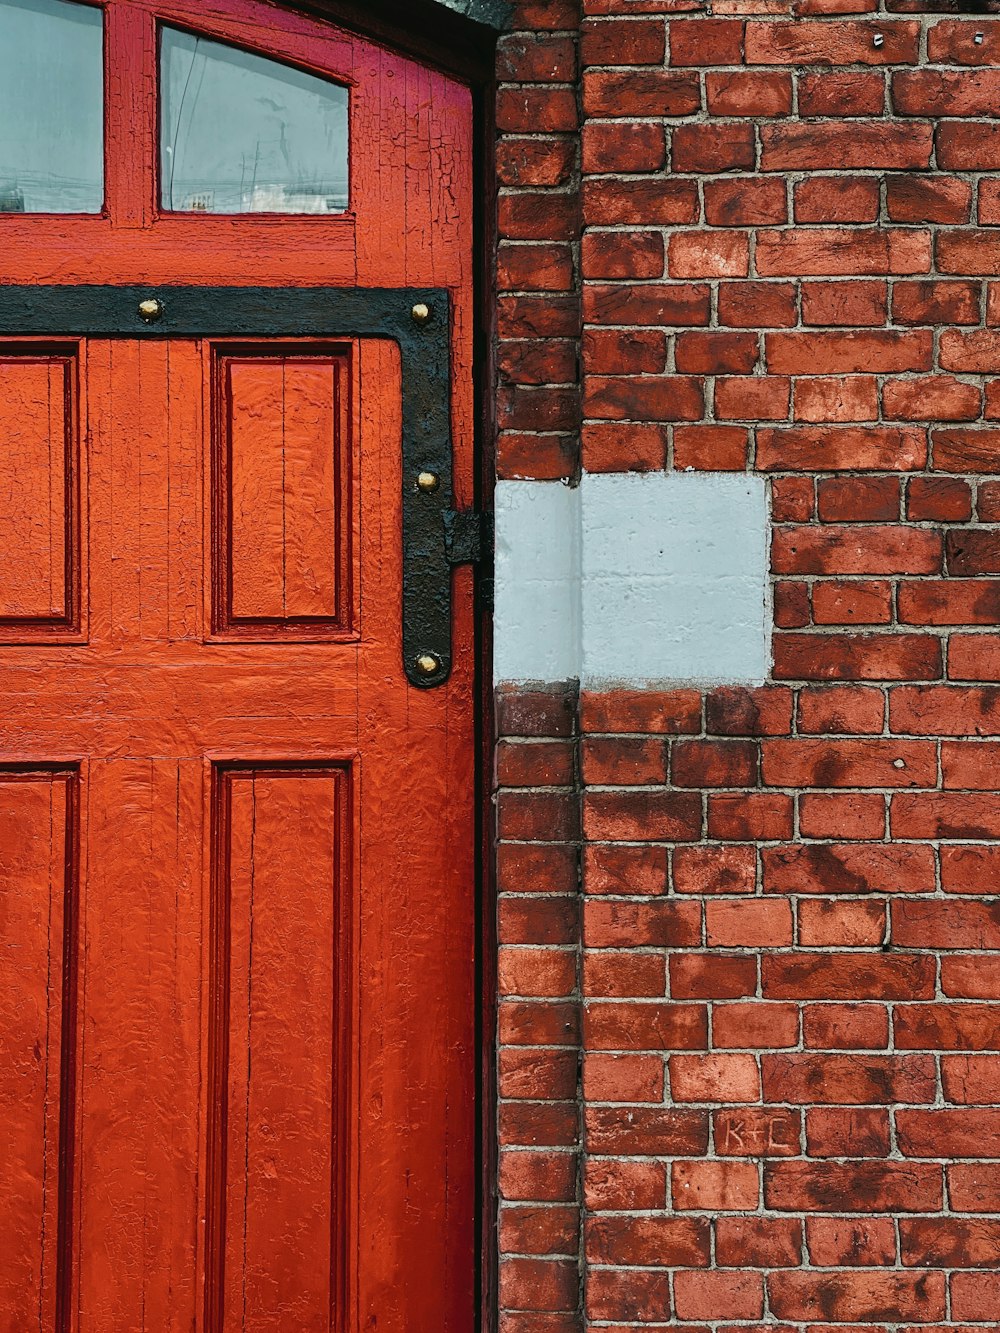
x: 237, y: 1065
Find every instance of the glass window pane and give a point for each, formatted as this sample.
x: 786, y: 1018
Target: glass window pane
x: 244, y: 134
x: 51, y: 107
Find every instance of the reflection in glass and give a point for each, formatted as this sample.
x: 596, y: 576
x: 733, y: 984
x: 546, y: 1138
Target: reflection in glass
x: 243, y: 134
x: 51, y: 107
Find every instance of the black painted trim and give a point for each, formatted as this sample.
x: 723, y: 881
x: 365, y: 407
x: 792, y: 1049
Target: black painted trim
x: 327, y: 312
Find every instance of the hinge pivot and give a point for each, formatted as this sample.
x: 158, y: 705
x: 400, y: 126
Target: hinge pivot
x: 468, y: 536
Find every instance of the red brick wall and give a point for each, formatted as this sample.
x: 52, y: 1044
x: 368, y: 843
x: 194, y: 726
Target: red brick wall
x: 783, y: 240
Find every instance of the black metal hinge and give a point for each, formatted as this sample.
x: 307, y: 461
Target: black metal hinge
x: 468, y: 536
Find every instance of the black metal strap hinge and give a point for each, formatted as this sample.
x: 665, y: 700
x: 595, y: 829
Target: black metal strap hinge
x: 468, y: 536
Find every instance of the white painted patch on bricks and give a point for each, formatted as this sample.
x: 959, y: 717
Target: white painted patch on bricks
x: 537, y: 612
x: 637, y: 579
x: 674, y: 578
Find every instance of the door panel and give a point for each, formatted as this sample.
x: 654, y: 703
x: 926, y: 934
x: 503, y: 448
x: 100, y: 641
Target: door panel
x: 248, y: 1107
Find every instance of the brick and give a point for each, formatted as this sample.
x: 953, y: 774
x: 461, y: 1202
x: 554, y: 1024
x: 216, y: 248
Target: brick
x: 609, y: 202
x: 948, y: 43
x: 858, y: 499
x: 873, y: 1186
x: 745, y: 202
x: 968, y: 146
x: 845, y: 1026
x: 637, y: 42
x: 949, y: 1133
x: 939, y: 499
x: 538, y: 1177
x: 970, y: 765
x: 973, y: 551
x: 714, y: 869
x: 866, y: 1242
x: 860, y: 1296
x: 848, y: 1132
x: 989, y: 201
x: 975, y: 1296
x: 973, y: 1187
x: 610, y: 868
x: 792, y: 499
x: 837, y: 1080
x: 750, y: 816
x: 544, y: 972
x: 970, y: 1080
x: 606, y: 350
x: 753, y: 398
x: 716, y: 1187
x: 720, y: 254
x: 846, y: 304
x: 849, y: 708
x: 815, y: 976
x: 748, y: 93
x: 609, y: 976
x: 739, y: 711
x: 939, y: 92
x: 860, y: 93
x: 871, y: 549
x: 708, y: 976
x: 653, y: 1241
x: 715, y: 353
x: 535, y: 161
x: 710, y: 448
x: 757, y: 304
x: 631, y: 1294
x: 835, y: 251
x: 710, y: 763
x: 931, y: 398
x: 831, y: 43
x: 848, y: 763
x: 623, y: 761
x: 758, y: 1242
x: 852, y: 924
x: 749, y: 924
x: 837, y: 199
x: 946, y: 925
x: 956, y: 1027
x: 848, y: 816
x: 955, y: 602
x: 657, y: 306
x: 970, y: 869
x: 703, y: 1295
x: 646, y: 1131
x: 933, y: 301
x: 967, y: 450
x: 864, y: 351
x: 944, y: 815
x: 713, y: 148
x: 620, y: 148
x: 852, y: 603
x: 650, y: 398
x: 658, y: 712
x: 946, y: 199
x: 968, y: 251
x: 611, y: 1026
x: 856, y: 657
x: 837, y: 398
x: 622, y: 1078
x: 621, y: 255
x: 840, y: 448
x: 545, y: 919
x: 613, y: 1186
x: 610, y: 925
x: 706, y: 41
x: 526, y: 1229
x: 750, y: 1131
x: 640, y: 92
x: 798, y: 146
x: 757, y: 1023
x: 528, y: 110
x: 714, y: 1078
x: 538, y: 1284
x: 945, y: 710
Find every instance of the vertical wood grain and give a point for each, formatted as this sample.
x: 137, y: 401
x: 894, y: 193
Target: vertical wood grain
x: 279, y: 1022
x: 38, y: 944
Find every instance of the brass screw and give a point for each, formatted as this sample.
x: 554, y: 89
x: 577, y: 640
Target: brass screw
x: 151, y: 310
x: 428, y: 482
x: 421, y: 313
x: 428, y: 664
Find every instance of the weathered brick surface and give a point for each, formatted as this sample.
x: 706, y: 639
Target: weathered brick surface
x: 778, y: 224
